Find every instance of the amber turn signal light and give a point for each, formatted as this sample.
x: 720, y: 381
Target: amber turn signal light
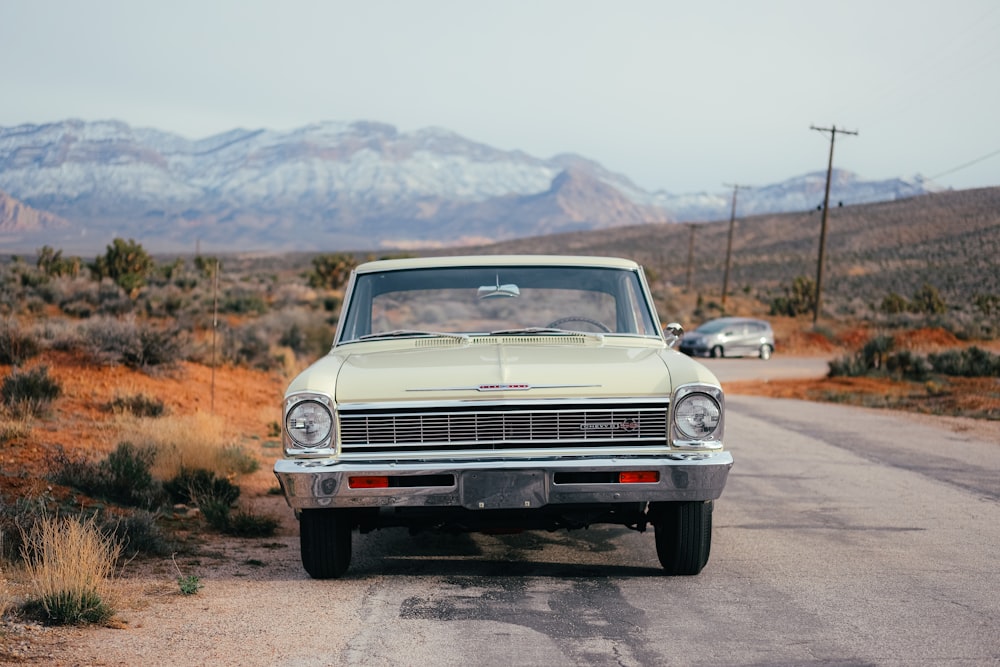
x: 639, y: 477
x: 368, y: 482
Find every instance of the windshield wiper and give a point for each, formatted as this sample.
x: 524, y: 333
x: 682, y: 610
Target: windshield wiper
x: 402, y: 333
x: 528, y: 331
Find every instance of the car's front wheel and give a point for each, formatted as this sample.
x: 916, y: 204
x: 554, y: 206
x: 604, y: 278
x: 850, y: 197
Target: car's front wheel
x: 683, y: 532
x: 325, y: 542
x: 765, y: 352
x: 717, y: 352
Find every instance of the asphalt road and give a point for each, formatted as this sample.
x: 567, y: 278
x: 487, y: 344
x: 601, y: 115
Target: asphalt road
x: 777, y: 367
x: 844, y: 537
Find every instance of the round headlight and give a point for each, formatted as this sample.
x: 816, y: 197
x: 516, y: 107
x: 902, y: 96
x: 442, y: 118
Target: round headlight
x: 697, y: 416
x: 309, y: 423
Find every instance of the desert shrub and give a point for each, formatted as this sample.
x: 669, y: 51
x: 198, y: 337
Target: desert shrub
x: 215, y: 512
x: 16, y: 520
x: 16, y: 346
x: 32, y: 278
x: 113, y: 300
x: 165, y: 302
x: 250, y: 345
x: 137, y: 533
x: 851, y: 365
x: 69, y: 563
x: 799, y: 298
x: 331, y: 271
x: 240, y: 523
x: 878, y: 358
x: 332, y: 304
x: 307, y: 339
x: 968, y: 362
x: 207, y: 266
x: 243, y: 302
x: 870, y: 359
x: 893, y: 304
x: 246, y: 523
x: 875, y: 351
x: 199, y: 485
x: 987, y: 304
x: 112, y: 342
x: 928, y: 301
x: 167, y: 273
x: 29, y: 392
x: 909, y: 365
x: 138, y: 405
x: 123, y: 477
x: 189, y: 442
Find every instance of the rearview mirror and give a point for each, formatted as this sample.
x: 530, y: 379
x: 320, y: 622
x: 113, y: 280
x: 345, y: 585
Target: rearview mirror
x: 673, y: 332
x: 498, y: 290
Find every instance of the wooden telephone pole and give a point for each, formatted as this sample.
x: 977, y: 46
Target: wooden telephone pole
x: 729, y: 244
x: 826, y: 207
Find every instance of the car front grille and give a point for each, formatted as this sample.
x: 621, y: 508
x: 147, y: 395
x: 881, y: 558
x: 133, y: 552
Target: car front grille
x: 501, y: 426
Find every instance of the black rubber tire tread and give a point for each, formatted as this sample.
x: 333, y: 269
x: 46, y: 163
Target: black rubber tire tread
x: 683, y: 532
x: 717, y: 352
x: 325, y: 543
x: 765, y: 352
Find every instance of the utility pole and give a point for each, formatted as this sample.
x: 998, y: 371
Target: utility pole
x: 690, y: 265
x: 729, y: 245
x: 826, y: 207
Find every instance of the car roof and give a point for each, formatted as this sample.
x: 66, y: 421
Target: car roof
x: 737, y: 320
x: 495, y: 260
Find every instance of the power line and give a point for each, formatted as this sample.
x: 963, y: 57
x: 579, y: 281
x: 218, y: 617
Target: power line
x: 967, y: 164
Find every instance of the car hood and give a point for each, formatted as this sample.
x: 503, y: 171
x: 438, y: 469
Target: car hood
x: 449, y: 372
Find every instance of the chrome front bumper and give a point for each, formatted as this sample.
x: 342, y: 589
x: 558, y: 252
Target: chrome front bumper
x: 522, y: 484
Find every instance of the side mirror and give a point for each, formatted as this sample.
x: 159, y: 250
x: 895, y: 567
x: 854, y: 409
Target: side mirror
x: 673, y: 332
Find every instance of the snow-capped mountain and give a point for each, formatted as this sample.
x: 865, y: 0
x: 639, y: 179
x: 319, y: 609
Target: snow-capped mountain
x: 335, y: 185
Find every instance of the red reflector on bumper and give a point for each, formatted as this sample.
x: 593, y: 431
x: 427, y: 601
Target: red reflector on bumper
x: 639, y: 477
x: 368, y: 482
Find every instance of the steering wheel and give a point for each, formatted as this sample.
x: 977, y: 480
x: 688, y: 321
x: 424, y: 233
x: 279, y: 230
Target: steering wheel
x: 576, y: 318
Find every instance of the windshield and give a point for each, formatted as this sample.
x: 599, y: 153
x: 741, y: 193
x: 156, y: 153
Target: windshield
x: 714, y: 326
x: 497, y: 299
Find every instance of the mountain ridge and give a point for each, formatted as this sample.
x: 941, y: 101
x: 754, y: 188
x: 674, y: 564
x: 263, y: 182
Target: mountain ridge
x: 341, y: 185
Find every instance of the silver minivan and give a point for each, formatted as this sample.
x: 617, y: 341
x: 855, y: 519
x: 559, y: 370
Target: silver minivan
x: 730, y: 337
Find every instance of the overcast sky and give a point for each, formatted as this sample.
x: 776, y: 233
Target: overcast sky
x: 678, y: 96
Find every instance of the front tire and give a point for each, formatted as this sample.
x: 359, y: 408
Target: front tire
x: 765, y: 352
x: 683, y: 532
x: 325, y: 542
x: 717, y: 352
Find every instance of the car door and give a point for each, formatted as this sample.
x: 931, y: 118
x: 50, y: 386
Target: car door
x: 738, y: 343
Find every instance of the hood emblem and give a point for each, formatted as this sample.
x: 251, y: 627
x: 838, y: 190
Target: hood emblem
x: 506, y: 386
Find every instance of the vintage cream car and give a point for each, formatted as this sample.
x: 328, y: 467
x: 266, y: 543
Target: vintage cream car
x: 502, y: 393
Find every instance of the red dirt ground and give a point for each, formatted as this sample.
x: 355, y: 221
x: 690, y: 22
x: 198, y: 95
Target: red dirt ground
x: 247, y: 402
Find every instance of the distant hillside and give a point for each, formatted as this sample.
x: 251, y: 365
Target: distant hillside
x: 949, y: 240
x: 17, y: 220
x: 335, y: 185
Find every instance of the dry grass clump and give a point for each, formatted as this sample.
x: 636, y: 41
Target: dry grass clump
x: 6, y: 595
x: 70, y: 564
x: 14, y: 427
x: 188, y: 442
